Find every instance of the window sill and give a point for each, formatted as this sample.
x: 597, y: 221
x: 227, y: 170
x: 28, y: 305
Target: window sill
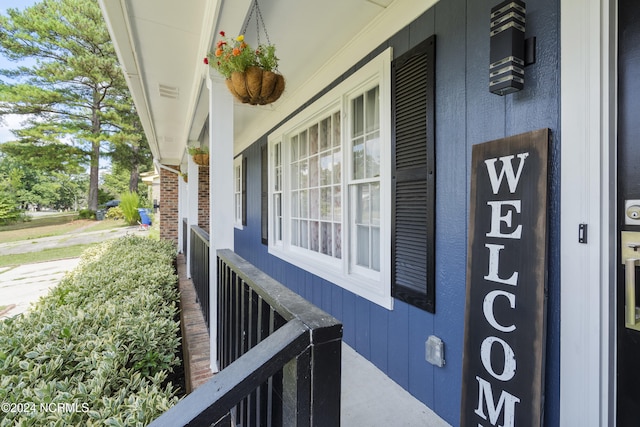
x: 365, y: 287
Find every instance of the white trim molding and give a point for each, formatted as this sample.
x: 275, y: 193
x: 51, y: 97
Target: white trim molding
x: 587, y: 324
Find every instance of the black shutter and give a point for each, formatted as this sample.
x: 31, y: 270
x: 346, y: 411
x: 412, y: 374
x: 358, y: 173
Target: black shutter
x: 264, y: 206
x: 413, y: 170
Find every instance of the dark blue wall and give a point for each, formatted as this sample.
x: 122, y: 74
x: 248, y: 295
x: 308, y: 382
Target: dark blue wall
x: 466, y: 114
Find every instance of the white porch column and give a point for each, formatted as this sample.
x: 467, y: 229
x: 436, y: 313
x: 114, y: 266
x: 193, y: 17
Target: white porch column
x: 192, y: 205
x: 221, y: 187
x: 182, y: 211
x: 588, y: 135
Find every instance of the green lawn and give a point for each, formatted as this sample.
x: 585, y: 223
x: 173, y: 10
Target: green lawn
x: 53, y: 226
x: 44, y: 255
x: 55, y: 219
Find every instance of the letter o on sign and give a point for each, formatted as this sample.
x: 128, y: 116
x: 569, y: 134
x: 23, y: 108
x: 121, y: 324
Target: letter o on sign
x: 509, y: 358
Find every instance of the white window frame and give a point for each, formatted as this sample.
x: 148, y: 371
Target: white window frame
x: 372, y: 285
x: 237, y: 192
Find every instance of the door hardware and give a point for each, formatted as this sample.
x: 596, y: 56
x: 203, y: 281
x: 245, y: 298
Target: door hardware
x: 630, y: 257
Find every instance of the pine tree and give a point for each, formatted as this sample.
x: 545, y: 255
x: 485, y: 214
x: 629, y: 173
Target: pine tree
x: 72, y: 91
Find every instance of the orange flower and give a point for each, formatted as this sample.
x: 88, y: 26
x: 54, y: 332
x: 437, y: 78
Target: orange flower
x: 236, y: 51
x: 218, y: 52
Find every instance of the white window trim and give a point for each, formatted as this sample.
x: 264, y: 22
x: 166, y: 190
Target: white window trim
x: 237, y: 217
x: 376, y: 289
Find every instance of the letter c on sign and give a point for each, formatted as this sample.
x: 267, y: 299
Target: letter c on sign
x: 509, y: 358
x: 487, y: 308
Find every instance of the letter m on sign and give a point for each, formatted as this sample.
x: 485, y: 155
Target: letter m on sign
x: 506, y: 404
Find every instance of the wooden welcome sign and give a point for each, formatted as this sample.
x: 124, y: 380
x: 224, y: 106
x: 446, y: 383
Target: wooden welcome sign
x: 504, y: 339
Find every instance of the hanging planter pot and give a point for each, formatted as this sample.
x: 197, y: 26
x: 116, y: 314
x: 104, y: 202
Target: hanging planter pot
x: 199, y: 155
x: 256, y: 86
x: 251, y: 74
x: 201, y: 159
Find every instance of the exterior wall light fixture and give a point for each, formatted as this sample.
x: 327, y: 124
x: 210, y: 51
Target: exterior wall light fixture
x: 508, y: 50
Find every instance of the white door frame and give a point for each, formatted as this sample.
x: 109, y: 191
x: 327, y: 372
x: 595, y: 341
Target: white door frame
x: 588, y: 193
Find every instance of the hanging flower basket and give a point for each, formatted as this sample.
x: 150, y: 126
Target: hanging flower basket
x: 251, y: 74
x: 256, y: 86
x: 199, y: 155
x: 201, y: 159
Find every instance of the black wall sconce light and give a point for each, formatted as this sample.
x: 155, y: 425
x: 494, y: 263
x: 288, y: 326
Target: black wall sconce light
x: 509, y: 53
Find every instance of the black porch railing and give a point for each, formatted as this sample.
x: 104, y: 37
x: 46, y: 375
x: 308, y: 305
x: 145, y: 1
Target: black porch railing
x: 185, y: 230
x: 280, y: 358
x: 199, y: 266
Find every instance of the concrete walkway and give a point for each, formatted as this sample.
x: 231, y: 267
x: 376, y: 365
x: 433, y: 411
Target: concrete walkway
x: 23, y: 285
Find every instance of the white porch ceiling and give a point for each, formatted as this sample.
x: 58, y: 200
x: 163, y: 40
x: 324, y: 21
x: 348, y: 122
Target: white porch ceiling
x: 161, y: 45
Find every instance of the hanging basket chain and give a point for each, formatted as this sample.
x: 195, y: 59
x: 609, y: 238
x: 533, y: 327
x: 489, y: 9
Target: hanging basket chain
x: 264, y: 27
x: 259, y: 21
x: 246, y: 24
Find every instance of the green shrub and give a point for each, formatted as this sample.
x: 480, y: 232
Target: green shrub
x: 9, y: 211
x: 86, y: 214
x: 115, y: 213
x: 129, y: 203
x: 104, y: 339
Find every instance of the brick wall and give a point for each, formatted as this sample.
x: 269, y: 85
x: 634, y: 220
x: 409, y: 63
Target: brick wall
x: 203, y: 198
x: 169, y: 204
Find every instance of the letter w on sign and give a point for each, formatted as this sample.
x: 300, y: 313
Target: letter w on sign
x: 507, y: 170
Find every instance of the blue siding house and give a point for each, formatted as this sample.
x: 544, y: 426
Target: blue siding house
x: 309, y: 189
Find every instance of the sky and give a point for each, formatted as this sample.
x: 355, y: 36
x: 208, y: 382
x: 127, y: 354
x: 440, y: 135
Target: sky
x: 10, y: 122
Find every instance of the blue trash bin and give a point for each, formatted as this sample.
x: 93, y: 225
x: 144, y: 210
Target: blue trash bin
x: 145, y: 219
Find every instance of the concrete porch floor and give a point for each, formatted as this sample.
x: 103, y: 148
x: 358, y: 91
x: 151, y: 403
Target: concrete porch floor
x: 369, y: 397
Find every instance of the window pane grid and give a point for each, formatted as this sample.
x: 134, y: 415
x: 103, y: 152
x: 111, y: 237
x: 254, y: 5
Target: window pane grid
x: 365, y: 135
x: 316, y: 205
x: 237, y: 191
x: 365, y: 179
x: 238, y: 208
x: 367, y: 225
x: 277, y: 192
